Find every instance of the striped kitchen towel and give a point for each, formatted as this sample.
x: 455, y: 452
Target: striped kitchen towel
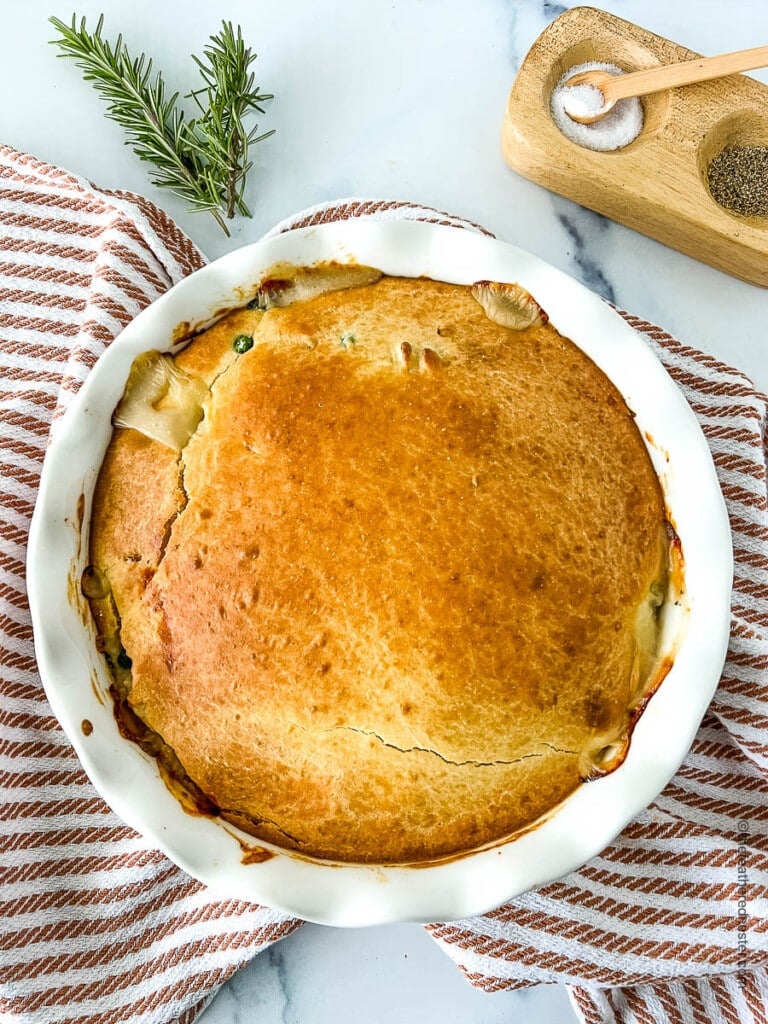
x: 96, y: 926
x: 668, y: 925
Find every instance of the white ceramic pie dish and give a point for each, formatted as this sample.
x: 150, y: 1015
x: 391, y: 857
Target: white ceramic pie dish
x: 76, y: 679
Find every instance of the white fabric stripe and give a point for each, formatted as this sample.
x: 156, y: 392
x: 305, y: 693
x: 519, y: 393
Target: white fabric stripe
x: 10, y: 579
x: 88, y: 218
x: 751, y: 573
x: 70, y: 851
x: 70, y: 265
x: 47, y: 792
x: 77, y: 883
x: 63, y: 763
x: 674, y: 872
x: 707, y: 374
x: 23, y: 435
x: 35, y: 412
x: 721, y: 906
x: 495, y: 967
x: 15, y: 645
x: 21, y: 460
x: 748, y: 734
x: 48, y: 237
x: 748, y: 513
x: 714, y: 791
x: 738, y: 478
x: 60, y: 315
x: 39, y: 285
x: 709, y: 401
x: 12, y: 550
x: 31, y: 364
x: 741, y: 701
x: 95, y: 820
x: 18, y: 489
x: 107, y: 910
x: 740, y: 769
x: 732, y: 446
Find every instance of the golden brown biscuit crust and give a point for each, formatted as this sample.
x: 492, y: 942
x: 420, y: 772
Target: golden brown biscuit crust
x: 386, y: 599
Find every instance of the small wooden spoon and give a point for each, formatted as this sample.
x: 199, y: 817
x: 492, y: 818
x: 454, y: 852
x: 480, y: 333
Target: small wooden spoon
x: 639, y: 83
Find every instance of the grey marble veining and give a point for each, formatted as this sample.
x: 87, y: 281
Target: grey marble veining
x: 399, y: 99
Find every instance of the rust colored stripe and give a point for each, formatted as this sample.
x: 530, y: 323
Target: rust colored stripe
x: 33, y: 395
x: 43, y: 351
x: 33, y: 749
x: 13, y: 596
x: 49, y: 274
x: 11, y: 471
x: 492, y: 982
x: 58, y: 226
x: 55, y: 808
x: 673, y: 890
x: 67, y: 250
x: 88, y: 203
x: 32, y: 424
x: 45, y: 299
x: 587, y: 1007
x: 64, y: 837
x: 23, y: 662
x: 42, y: 777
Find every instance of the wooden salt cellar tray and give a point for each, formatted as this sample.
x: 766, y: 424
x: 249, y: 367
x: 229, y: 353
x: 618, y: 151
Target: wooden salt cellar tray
x: 658, y: 183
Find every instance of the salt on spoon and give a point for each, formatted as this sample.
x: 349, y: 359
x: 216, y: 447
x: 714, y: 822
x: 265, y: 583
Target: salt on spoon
x: 620, y: 126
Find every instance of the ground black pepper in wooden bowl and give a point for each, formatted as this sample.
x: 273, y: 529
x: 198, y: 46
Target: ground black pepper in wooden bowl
x: 738, y: 180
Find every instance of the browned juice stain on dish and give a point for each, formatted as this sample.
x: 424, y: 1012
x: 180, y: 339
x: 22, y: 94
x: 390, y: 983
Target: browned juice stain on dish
x: 251, y: 853
x: 255, y: 854
x: 97, y: 690
x: 75, y: 596
x: 651, y: 440
x: 87, y: 727
x: 677, y: 568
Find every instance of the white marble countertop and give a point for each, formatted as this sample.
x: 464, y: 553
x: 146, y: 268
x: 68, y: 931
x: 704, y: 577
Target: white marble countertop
x: 395, y: 99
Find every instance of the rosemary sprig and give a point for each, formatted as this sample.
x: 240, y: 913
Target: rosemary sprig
x: 202, y: 159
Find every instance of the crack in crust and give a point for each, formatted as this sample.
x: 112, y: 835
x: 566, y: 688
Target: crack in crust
x: 181, y: 465
x: 442, y: 757
x: 242, y: 821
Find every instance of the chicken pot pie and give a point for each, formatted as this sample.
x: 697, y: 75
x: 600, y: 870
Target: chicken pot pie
x: 377, y: 564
